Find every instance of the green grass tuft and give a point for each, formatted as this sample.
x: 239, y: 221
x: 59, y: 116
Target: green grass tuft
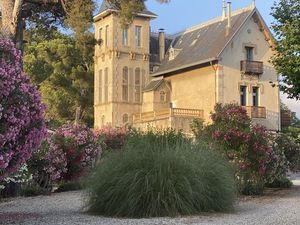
x: 153, y: 177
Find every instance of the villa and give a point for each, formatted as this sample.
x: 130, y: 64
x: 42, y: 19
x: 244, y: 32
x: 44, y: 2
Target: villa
x: 154, y: 79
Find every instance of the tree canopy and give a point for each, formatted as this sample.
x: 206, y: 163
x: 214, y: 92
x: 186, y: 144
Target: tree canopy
x: 287, y: 33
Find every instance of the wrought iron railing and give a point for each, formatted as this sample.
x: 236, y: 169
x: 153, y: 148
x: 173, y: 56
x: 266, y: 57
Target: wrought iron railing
x: 256, y: 112
x: 252, y: 67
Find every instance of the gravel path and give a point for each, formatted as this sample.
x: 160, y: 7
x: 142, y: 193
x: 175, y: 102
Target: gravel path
x: 276, y: 208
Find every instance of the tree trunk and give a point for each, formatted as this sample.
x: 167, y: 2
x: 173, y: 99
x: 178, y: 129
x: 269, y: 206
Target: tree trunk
x: 78, y: 115
x: 12, y: 24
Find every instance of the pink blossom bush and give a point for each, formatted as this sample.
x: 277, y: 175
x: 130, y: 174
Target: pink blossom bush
x: 247, y: 146
x: 112, y: 138
x: 22, y: 125
x: 73, y: 151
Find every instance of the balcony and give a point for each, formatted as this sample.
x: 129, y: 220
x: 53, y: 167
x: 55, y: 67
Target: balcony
x: 252, y: 67
x: 256, y: 112
x: 166, y: 114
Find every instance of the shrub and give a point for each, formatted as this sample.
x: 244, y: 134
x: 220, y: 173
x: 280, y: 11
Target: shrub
x: 73, y: 151
x: 245, y: 145
x: 69, y: 186
x: 153, y: 177
x: 22, y: 126
x: 281, y: 182
x: 112, y: 138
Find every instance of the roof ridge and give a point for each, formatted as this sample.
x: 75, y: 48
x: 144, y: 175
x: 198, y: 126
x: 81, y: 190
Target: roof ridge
x: 212, y: 21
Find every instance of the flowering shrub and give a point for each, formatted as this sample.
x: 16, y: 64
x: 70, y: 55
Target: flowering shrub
x: 22, y: 126
x: 246, y: 146
x: 73, y: 150
x: 112, y: 138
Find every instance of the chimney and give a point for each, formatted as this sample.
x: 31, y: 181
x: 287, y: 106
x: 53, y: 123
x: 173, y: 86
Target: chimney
x: 228, y: 28
x: 253, y: 4
x: 224, y: 10
x: 162, y: 44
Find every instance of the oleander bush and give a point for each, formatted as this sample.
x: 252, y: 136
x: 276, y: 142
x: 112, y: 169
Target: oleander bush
x: 246, y: 146
x: 73, y: 151
x: 111, y: 138
x: 22, y: 125
x: 154, y: 176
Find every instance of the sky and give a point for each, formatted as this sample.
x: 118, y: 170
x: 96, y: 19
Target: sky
x: 181, y: 14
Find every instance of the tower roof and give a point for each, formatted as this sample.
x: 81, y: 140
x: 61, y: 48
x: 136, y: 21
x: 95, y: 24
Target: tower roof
x: 107, y: 7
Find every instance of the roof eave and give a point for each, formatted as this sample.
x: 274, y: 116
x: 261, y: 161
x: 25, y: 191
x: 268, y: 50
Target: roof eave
x: 108, y: 11
x: 185, y: 66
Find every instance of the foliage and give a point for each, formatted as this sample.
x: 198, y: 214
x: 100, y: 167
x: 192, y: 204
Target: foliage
x: 154, y: 176
x: 33, y: 189
x: 69, y: 186
x: 73, y: 151
x: 111, y: 138
x: 20, y: 177
x: 22, y: 126
x: 287, y: 32
x: 291, y: 150
x: 281, y: 182
x: 245, y: 145
x: 128, y: 8
x: 64, y: 74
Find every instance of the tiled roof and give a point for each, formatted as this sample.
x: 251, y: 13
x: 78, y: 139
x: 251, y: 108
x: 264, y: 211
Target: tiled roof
x: 201, y: 43
x: 154, y: 47
x: 106, y: 6
x: 153, y: 85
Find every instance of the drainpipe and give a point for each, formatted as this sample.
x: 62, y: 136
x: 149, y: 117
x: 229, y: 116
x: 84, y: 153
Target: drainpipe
x: 216, y: 85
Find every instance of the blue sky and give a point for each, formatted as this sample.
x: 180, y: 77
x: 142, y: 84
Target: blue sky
x: 181, y: 14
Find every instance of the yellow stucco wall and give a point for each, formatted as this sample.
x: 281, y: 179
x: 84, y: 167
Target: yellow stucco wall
x: 194, y: 89
x: 114, y: 56
x: 229, y: 76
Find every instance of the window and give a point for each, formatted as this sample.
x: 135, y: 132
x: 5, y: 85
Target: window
x: 106, y: 85
x: 125, y: 118
x: 106, y: 35
x: 125, y: 36
x: 99, y: 100
x: 138, y: 33
x: 249, y: 53
x: 102, y: 120
x: 125, y: 84
x: 243, y: 94
x: 163, y: 97
x: 255, y: 93
x: 137, y: 85
x: 100, y: 33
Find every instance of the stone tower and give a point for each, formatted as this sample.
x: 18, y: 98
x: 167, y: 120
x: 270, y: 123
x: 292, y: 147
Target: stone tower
x: 121, y: 66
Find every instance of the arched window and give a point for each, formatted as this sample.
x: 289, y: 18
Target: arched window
x: 125, y: 84
x: 125, y: 118
x: 102, y: 120
x: 163, y: 97
x: 137, y: 85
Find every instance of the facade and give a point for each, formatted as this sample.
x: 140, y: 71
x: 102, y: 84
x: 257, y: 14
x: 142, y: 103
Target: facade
x: 160, y: 80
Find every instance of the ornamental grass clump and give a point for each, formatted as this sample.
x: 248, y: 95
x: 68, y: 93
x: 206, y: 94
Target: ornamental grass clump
x: 22, y: 125
x: 152, y: 177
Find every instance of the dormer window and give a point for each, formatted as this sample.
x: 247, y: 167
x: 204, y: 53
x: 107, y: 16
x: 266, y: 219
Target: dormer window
x: 173, y: 52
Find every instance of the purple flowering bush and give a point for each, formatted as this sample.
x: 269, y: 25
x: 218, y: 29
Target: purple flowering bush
x: 73, y: 151
x: 22, y: 125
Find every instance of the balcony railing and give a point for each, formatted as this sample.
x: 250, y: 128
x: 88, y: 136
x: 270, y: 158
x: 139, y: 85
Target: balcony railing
x: 167, y: 113
x: 256, y: 112
x: 252, y: 67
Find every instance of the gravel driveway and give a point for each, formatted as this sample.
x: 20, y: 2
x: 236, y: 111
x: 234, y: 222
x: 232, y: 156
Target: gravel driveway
x: 281, y: 207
